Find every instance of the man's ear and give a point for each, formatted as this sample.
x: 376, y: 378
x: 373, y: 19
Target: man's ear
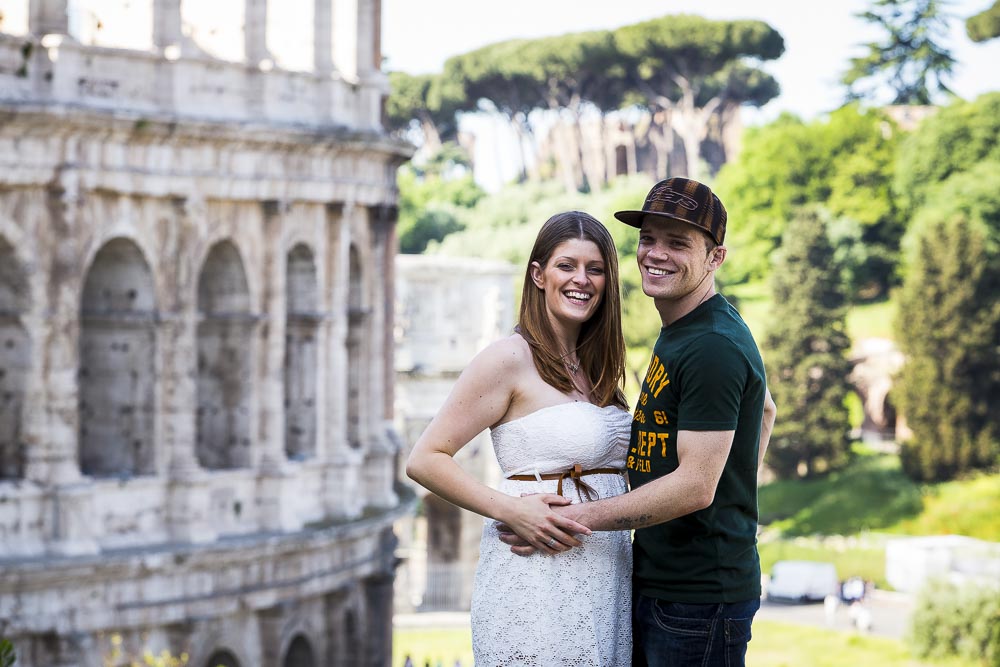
x: 717, y: 257
x: 536, y: 274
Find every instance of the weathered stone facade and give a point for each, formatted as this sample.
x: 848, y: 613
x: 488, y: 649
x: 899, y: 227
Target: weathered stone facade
x: 196, y: 277
x: 448, y: 309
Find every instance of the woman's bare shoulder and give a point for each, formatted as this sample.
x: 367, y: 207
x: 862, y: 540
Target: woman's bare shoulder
x: 510, y: 354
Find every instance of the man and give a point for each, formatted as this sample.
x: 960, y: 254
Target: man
x: 699, y: 432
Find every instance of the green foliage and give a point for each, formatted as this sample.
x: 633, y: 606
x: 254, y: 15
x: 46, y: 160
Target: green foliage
x: 985, y: 25
x: 807, y: 348
x: 430, y: 100
x: 492, y: 73
x: 845, y: 163
x: 7, y: 656
x: 692, y: 47
x: 973, y: 194
x: 911, y: 59
x: 872, y: 494
x: 433, y: 203
x: 951, y: 620
x: 952, y: 141
x: 948, y: 328
x: 970, y: 506
x: 117, y: 656
x: 433, y: 223
x: 690, y: 65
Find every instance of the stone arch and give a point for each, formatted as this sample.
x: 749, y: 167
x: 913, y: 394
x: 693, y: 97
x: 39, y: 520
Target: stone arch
x: 116, y: 373
x: 225, y: 361
x: 301, y: 346
x: 15, y: 357
x: 300, y: 653
x: 222, y: 658
x: 357, y: 344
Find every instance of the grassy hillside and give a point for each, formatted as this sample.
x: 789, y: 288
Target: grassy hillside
x: 846, y: 517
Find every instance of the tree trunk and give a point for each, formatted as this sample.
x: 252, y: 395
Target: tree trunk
x: 432, y: 138
x: 661, y: 135
x: 691, y: 124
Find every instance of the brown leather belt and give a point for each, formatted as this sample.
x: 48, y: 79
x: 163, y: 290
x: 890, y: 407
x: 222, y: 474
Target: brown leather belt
x: 575, y: 473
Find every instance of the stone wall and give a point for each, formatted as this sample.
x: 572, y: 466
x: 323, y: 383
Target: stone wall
x: 196, y: 444
x: 447, y: 310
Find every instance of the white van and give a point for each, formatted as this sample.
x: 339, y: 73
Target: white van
x: 802, y: 581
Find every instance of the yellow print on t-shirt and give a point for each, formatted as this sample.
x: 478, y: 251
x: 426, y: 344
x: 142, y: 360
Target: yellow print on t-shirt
x: 656, y: 377
x: 647, y: 443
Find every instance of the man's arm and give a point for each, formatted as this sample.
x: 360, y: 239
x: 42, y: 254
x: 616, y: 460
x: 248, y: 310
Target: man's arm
x: 691, y: 487
x: 766, y: 426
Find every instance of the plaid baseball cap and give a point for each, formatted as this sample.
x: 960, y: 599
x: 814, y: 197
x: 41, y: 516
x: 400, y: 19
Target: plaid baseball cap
x: 685, y: 200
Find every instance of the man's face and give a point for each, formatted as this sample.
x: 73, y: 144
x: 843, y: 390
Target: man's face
x: 675, y: 259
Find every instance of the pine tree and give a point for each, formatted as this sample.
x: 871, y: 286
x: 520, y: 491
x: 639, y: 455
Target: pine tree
x: 911, y: 59
x: 948, y: 327
x: 807, y: 346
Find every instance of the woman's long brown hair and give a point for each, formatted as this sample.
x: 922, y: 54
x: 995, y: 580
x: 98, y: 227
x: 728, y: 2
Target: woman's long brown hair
x: 601, y: 346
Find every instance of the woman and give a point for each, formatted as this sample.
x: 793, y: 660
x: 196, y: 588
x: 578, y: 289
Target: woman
x: 551, y: 395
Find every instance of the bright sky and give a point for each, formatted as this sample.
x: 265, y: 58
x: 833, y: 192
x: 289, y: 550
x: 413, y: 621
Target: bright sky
x: 820, y: 37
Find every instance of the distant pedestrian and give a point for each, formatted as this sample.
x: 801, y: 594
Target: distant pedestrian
x: 830, y: 605
x: 408, y: 662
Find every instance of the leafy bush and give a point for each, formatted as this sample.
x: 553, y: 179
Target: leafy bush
x: 7, y: 657
x: 963, y: 621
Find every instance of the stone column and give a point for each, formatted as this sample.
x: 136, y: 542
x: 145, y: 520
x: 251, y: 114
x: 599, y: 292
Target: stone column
x: 48, y: 17
x: 270, y: 376
x: 323, y: 59
x: 378, y: 602
x: 380, y: 459
x: 169, y: 40
x: 369, y: 24
x: 61, y: 334
x: 188, y: 492
x: 256, y: 55
x: 167, y: 23
x: 276, y: 483
x: 341, y: 479
x: 255, y: 32
x: 323, y: 36
x: 374, y: 83
x: 71, y: 494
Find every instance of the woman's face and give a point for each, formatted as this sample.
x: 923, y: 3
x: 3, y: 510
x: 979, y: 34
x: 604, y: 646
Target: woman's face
x: 573, y: 280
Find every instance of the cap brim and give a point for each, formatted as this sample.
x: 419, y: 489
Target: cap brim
x: 635, y: 218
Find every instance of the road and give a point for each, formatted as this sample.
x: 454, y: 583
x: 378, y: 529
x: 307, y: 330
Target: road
x: 890, y: 614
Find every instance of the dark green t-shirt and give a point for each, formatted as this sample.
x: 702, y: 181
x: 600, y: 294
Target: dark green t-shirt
x: 706, y: 374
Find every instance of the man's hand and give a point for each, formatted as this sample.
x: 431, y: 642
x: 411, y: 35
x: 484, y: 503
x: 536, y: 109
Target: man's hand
x: 561, y: 508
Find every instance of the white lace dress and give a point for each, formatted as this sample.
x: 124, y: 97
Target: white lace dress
x: 573, y: 608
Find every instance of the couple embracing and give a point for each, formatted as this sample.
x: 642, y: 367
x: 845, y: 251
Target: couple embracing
x: 560, y: 580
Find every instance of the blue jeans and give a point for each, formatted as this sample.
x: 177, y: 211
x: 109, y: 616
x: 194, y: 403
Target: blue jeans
x: 682, y: 634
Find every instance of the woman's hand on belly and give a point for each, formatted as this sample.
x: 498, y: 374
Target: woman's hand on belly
x: 532, y: 519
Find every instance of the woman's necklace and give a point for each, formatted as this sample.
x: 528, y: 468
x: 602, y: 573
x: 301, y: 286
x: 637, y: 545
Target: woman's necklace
x: 573, y: 368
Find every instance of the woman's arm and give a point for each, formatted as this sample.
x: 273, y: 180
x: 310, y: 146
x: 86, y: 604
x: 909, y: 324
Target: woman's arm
x: 480, y: 398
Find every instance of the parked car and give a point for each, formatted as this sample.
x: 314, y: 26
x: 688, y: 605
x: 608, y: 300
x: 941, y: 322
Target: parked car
x: 802, y: 581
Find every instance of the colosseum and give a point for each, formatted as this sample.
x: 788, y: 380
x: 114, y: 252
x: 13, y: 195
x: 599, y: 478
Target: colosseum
x: 197, y: 233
